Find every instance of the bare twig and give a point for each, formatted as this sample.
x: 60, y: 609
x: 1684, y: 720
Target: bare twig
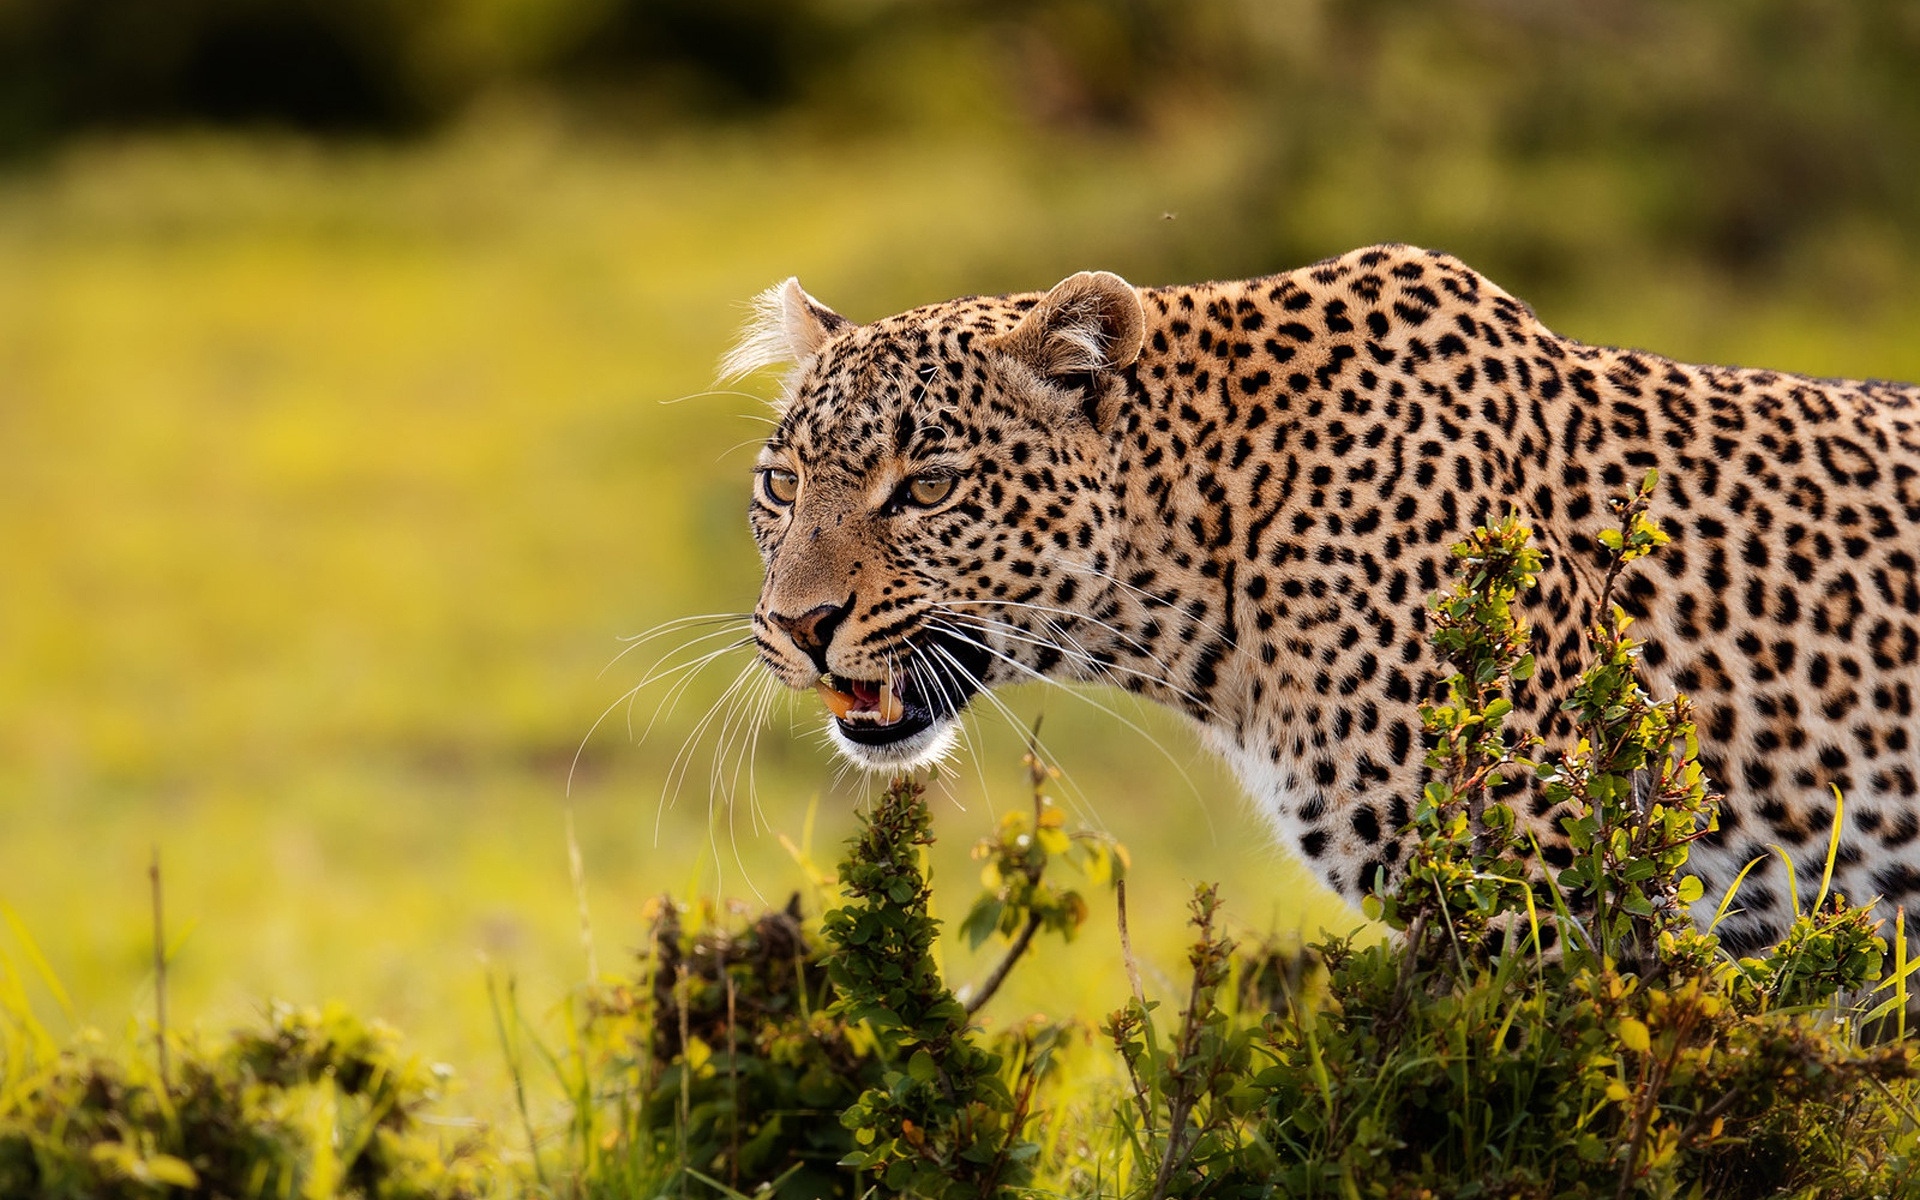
x: 733, y: 1081
x: 1140, y: 1006
x: 1192, y: 1079
x: 1126, y: 943
x: 1022, y: 1109
x: 682, y: 986
x: 1000, y: 972
x: 159, y: 971
x: 1653, y: 1079
x: 1037, y: 776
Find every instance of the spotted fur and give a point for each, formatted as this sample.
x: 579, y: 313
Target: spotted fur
x: 1235, y: 498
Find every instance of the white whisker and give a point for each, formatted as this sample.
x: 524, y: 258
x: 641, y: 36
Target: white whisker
x: 687, y: 670
x: 1151, y: 599
x: 682, y: 761
x: 1039, y: 677
x: 687, y: 673
x: 1105, y: 672
x: 1081, y: 805
x: 1133, y: 643
x: 636, y: 640
x: 710, y: 393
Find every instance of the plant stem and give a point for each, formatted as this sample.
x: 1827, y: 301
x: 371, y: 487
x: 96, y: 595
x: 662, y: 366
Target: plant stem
x: 159, y: 970
x: 1021, y: 941
x: 1126, y: 943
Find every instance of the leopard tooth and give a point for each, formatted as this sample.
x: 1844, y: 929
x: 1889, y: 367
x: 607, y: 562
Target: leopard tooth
x: 838, y: 702
x: 890, y: 709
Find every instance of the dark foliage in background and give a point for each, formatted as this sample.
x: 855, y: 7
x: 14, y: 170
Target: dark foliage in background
x: 327, y: 66
x: 1734, y: 133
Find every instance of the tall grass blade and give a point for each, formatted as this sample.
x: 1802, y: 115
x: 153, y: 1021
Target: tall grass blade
x: 1793, y: 878
x: 48, y: 978
x: 1726, y: 900
x: 577, y: 869
x: 1833, y: 847
x: 510, y: 1048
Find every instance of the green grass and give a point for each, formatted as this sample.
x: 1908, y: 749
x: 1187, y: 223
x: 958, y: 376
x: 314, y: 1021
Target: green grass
x: 330, y: 478
x: 336, y: 477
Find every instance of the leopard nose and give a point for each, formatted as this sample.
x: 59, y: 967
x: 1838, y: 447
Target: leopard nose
x: 812, y: 630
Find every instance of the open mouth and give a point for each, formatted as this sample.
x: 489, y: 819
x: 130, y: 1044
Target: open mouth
x: 881, y: 713
x: 874, y: 713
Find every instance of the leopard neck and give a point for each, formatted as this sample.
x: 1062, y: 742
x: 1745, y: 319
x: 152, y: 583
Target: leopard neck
x: 1285, y: 500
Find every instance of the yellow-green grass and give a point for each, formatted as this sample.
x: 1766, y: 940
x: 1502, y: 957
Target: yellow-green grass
x: 329, y: 481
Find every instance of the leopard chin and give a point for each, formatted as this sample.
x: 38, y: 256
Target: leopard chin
x: 895, y: 748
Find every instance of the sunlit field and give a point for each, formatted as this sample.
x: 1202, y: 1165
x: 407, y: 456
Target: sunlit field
x: 332, y: 480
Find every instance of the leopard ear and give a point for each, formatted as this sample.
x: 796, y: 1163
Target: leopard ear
x: 787, y: 326
x: 1089, y: 323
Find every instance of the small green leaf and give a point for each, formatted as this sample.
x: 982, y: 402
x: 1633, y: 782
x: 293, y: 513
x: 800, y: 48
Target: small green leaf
x: 982, y: 919
x: 921, y: 1067
x: 1633, y: 1034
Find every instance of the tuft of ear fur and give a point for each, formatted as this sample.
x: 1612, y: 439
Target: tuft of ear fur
x: 787, y: 326
x: 1089, y: 323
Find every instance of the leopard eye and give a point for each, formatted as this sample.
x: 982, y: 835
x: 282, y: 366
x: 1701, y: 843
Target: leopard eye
x: 929, y: 490
x: 780, y: 487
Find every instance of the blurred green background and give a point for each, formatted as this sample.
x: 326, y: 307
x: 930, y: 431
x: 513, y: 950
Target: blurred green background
x: 355, y: 360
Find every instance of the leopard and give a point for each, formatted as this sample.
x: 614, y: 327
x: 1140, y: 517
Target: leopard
x: 1235, y: 499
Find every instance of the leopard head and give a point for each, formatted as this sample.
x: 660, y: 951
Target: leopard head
x: 933, y: 507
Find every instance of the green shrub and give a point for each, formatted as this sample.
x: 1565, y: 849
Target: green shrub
x: 774, y: 1058
x: 315, y: 1104
x: 941, y: 1122
x: 1638, y: 1061
x: 717, y: 1067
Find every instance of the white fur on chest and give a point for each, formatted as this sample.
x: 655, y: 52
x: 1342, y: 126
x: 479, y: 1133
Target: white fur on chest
x: 1276, y: 787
